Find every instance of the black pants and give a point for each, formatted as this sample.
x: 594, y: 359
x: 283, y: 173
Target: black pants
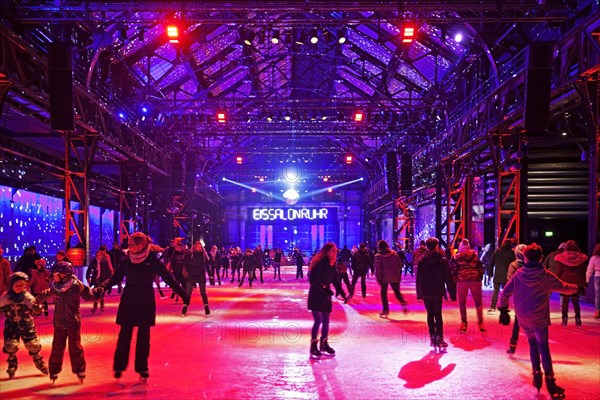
x: 201, y: 284
x: 565, y: 305
x: 384, y: 299
x: 433, y: 305
x: 277, y: 270
x: 363, y: 283
x: 251, y: 277
x: 514, y: 338
x: 299, y: 273
x: 344, y: 278
x: 59, y: 343
x: 142, y: 348
x: 233, y: 271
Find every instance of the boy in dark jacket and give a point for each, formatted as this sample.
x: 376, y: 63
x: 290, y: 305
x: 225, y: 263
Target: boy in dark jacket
x: 67, y: 291
x: 18, y: 305
x: 433, y: 277
x: 532, y: 285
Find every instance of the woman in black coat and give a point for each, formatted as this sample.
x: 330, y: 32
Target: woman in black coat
x: 321, y: 274
x: 137, y: 307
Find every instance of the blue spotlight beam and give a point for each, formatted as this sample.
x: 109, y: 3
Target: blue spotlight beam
x: 333, y: 187
x: 253, y: 188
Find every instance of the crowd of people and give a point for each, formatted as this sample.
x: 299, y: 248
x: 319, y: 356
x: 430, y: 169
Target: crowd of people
x: 516, y: 270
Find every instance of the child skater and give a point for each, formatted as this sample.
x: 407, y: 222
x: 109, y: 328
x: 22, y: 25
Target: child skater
x: 66, y: 290
x: 39, y: 281
x: 100, y: 270
x: 532, y: 285
x: 18, y: 305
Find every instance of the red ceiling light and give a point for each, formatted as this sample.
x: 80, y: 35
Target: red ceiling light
x: 348, y: 159
x: 238, y: 159
x: 409, y: 31
x: 173, y: 33
x: 221, y: 116
x: 358, y: 116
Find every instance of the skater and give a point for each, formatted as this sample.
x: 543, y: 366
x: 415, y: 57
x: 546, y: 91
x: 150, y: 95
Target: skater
x: 248, y: 264
x: 299, y: 263
x: 39, y: 281
x: 592, y: 268
x: 388, y: 270
x: 19, y: 306
x: 433, y: 278
x: 499, y: 263
x: 214, y: 263
x: 224, y: 262
x: 486, y: 258
x: 321, y: 274
x: 137, y: 307
x: 195, y: 269
x: 342, y: 276
x: 99, y: 271
x: 260, y: 261
x: 570, y: 267
x: 361, y: 263
x: 66, y: 290
x: 512, y: 268
x: 532, y: 286
x: 116, y: 255
x: 467, y: 271
x: 277, y: 256
x: 236, y: 256
x: 175, y: 264
x: 5, y: 272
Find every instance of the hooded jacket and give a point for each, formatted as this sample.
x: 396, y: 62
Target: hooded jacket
x: 388, y: 267
x: 67, y: 296
x: 532, y: 286
x: 466, y: 267
x: 433, y: 276
x: 571, y: 266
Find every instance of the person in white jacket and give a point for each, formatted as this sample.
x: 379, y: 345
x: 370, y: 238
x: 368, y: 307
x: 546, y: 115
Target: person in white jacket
x: 593, y: 268
x: 532, y: 285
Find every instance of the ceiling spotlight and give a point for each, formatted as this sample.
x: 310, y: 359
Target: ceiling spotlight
x: 314, y: 38
x: 458, y: 37
x: 358, y: 116
x: 173, y: 33
x: 409, y: 30
x: 275, y: 36
x: 341, y: 35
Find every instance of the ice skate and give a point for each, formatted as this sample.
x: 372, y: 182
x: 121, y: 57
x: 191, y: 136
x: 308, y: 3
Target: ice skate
x: 40, y: 364
x: 206, y: 310
x: 433, y: 343
x: 404, y: 307
x: 384, y: 314
x: 184, y: 311
x: 53, y: 378
x: 314, y: 351
x: 144, y: 376
x: 94, y: 307
x: 81, y: 376
x: 12, y: 366
x: 325, y: 348
x: 463, y: 327
x: 556, y: 392
x: 512, y: 348
x: 537, y: 380
x: 441, y: 345
x: 118, y: 374
x: 565, y: 320
x: 481, y: 327
x: 577, y: 321
x: 102, y: 305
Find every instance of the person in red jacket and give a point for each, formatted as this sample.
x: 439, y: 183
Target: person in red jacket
x: 570, y: 267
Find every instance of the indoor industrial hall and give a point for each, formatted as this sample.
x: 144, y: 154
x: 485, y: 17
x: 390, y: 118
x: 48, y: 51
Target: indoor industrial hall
x: 434, y: 150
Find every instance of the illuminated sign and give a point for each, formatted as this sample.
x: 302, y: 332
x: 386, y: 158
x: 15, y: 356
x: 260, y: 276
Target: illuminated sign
x: 291, y: 214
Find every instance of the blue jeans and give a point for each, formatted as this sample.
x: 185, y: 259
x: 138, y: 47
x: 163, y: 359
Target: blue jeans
x: 539, y: 348
x: 321, y: 318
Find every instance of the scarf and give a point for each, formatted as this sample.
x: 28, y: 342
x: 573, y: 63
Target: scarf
x: 64, y: 284
x: 16, y: 297
x: 138, y: 258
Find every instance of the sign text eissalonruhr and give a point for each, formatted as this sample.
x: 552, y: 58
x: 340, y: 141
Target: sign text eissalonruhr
x: 289, y: 214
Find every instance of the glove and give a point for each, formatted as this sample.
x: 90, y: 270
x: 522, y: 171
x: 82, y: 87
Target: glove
x: 98, y: 291
x: 504, y: 315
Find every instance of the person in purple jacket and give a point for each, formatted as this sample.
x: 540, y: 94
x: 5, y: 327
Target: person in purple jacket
x: 531, y: 287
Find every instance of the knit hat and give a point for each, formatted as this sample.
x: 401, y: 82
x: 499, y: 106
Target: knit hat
x: 464, y: 246
x: 519, y: 249
x: 62, y: 267
x: 16, y: 277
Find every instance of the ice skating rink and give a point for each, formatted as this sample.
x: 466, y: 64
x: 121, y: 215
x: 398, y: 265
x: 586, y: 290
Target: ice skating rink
x: 255, y: 344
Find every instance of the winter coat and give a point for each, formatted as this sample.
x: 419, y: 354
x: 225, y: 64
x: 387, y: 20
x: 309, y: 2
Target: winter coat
x: 235, y: 262
x: 550, y: 262
x: 177, y: 259
x: 418, y: 254
x: 388, y: 267
x: 593, y: 268
x: 67, y: 296
x: 466, y: 267
x: 5, y: 272
x: 40, y: 277
x: 91, y: 274
x: 260, y: 258
x: 196, y: 267
x: 513, y: 267
x: 27, y: 262
x: 361, y: 262
x: 19, y: 314
x: 532, y: 286
x: 434, y: 276
x: 138, y: 305
x: 116, y: 256
x: 248, y: 262
x: 320, y: 277
x: 501, y: 259
x: 571, y: 266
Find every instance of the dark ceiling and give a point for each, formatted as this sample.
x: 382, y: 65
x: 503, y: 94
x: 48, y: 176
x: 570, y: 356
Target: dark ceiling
x: 290, y: 103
